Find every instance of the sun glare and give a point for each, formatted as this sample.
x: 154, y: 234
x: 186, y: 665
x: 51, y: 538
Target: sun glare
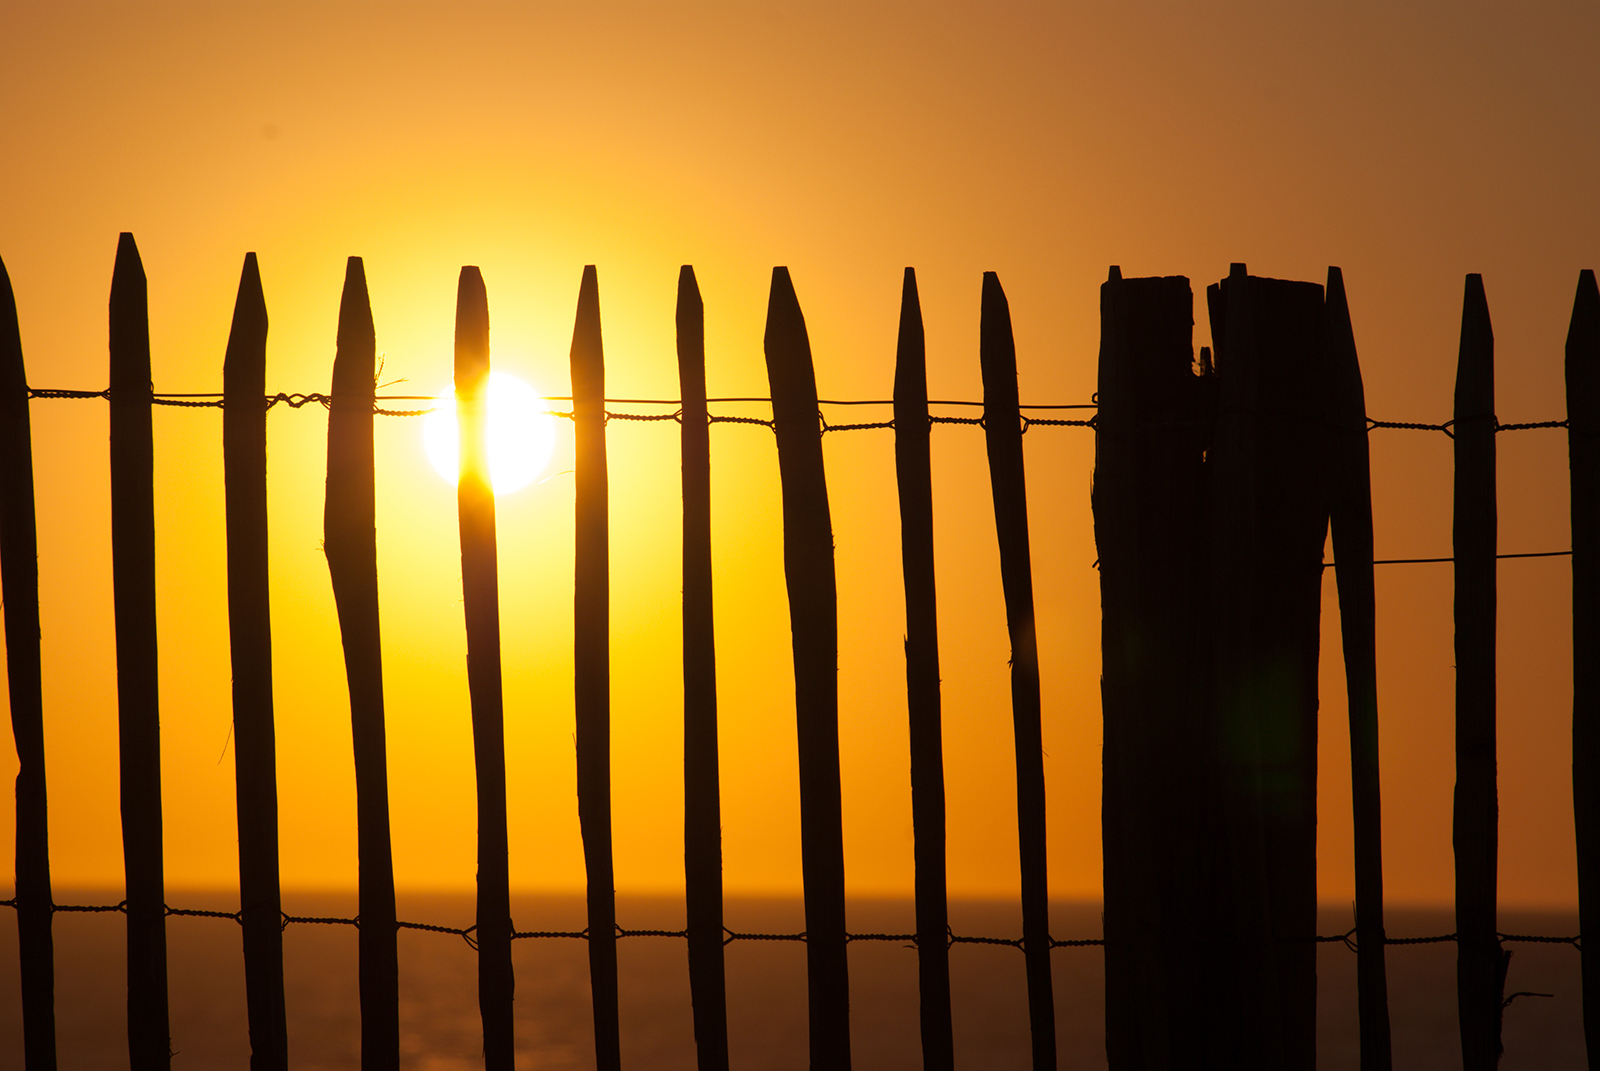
x: 521, y: 434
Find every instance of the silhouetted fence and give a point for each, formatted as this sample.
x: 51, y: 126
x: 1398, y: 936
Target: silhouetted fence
x: 1216, y: 483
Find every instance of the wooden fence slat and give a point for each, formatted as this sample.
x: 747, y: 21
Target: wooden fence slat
x: 702, y: 796
x: 1480, y: 962
x: 351, y: 543
x: 913, y: 473
x: 1003, y: 435
x: 19, y: 590
x: 244, y: 458
x: 133, y: 559
x: 814, y: 626
x: 1350, y: 507
x: 1583, y: 445
x: 592, y: 663
x: 480, y: 586
x: 1152, y: 429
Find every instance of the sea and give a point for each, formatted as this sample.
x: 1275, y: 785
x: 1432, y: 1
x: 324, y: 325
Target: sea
x: 766, y: 989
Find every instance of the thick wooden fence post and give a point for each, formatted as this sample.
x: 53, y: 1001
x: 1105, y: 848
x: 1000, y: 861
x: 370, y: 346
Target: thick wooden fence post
x: 592, y: 663
x: 1583, y: 446
x: 351, y: 543
x: 702, y: 795
x: 1350, y: 512
x: 133, y: 559
x: 814, y: 627
x: 913, y: 473
x: 1268, y: 529
x: 1003, y: 435
x: 19, y: 590
x: 1480, y: 962
x: 244, y: 458
x: 480, y: 586
x: 1151, y: 433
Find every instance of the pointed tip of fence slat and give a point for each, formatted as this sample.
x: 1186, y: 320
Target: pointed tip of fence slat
x: 12, y: 373
x: 1584, y: 331
x: 785, y: 321
x: 247, y: 337
x: 588, y: 353
x: 910, y: 365
x: 688, y: 285
x: 997, y: 351
x: 129, y: 320
x: 1475, y: 369
x: 472, y: 326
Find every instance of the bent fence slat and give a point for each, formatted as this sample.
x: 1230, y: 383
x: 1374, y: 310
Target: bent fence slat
x: 1583, y: 445
x: 244, y: 459
x: 480, y: 586
x: 914, y: 475
x: 1350, y: 506
x: 19, y: 590
x: 1481, y: 963
x: 1003, y: 435
x: 814, y: 624
x: 592, y: 663
x: 351, y: 543
x: 702, y: 797
x: 133, y: 557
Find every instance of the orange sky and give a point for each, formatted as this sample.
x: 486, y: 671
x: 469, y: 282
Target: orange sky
x: 845, y: 141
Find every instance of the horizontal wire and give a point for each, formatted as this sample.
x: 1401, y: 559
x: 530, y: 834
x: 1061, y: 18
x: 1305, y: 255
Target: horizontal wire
x: 1347, y: 938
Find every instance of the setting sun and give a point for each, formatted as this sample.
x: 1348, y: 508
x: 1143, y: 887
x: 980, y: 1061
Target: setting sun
x: 521, y: 434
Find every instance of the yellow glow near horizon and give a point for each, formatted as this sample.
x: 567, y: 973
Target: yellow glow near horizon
x: 521, y: 434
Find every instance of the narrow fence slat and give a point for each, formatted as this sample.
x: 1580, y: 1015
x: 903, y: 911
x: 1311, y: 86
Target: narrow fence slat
x: 702, y: 796
x: 814, y: 626
x: 1003, y: 436
x: 1583, y: 445
x: 1151, y: 433
x: 133, y: 559
x: 244, y: 458
x: 913, y: 473
x: 351, y: 543
x: 19, y: 590
x: 1350, y: 506
x: 592, y: 663
x: 480, y: 586
x: 1480, y: 961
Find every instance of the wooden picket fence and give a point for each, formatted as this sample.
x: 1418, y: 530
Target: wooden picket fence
x: 1167, y: 434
